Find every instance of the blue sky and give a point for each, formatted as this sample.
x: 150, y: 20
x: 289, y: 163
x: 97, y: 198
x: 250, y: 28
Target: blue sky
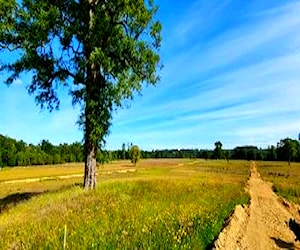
x: 231, y: 73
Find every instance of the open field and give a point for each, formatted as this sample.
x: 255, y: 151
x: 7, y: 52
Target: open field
x: 285, y: 178
x: 164, y: 204
x: 38, y: 179
x: 18, y: 173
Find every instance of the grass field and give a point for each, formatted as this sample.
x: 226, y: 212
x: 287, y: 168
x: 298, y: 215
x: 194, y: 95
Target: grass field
x: 53, y: 173
x: 285, y: 178
x: 167, y: 204
x: 16, y: 173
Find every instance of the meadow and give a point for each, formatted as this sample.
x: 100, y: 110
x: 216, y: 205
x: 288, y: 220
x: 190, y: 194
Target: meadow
x: 284, y: 178
x: 169, y: 204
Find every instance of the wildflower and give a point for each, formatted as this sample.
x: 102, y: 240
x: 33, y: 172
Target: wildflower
x: 124, y: 233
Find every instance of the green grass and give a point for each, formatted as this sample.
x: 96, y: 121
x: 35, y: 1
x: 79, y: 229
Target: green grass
x: 285, y: 178
x: 164, y: 205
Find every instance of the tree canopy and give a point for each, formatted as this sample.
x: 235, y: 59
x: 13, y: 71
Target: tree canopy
x: 288, y: 149
x: 102, y: 51
x: 218, y: 154
x: 18, y: 153
x: 135, y: 154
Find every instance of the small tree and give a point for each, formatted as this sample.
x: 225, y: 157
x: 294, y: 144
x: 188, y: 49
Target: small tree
x: 135, y: 154
x: 218, y: 150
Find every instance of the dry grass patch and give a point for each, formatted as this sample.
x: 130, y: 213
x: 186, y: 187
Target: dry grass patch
x: 19, y: 173
x: 285, y: 178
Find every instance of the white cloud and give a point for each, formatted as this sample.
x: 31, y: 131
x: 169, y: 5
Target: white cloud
x: 240, y: 85
x: 258, y: 85
x: 18, y: 82
x: 236, y: 43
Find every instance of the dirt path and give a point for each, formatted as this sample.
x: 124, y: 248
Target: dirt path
x: 262, y: 224
x: 60, y: 177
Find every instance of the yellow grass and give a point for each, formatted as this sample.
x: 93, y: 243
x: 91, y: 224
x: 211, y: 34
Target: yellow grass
x: 284, y: 178
x: 164, y: 204
x: 17, y: 173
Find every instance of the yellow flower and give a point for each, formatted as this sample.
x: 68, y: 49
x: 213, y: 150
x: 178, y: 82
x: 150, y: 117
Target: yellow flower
x: 124, y: 233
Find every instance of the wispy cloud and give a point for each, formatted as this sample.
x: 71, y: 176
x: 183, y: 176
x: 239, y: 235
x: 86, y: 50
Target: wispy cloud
x: 254, y: 40
x: 244, y: 78
x: 232, y: 73
x: 18, y: 82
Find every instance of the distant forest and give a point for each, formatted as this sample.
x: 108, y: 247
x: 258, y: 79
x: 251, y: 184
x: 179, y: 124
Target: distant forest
x: 19, y: 153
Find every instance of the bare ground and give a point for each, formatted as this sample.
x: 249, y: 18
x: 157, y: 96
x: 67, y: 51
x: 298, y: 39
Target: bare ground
x: 263, y: 224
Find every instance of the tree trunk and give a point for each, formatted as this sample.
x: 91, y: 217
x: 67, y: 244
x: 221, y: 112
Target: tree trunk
x: 91, y: 141
x: 90, y: 166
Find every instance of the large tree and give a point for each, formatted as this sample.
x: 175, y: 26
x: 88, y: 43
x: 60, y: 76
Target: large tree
x: 288, y: 149
x: 102, y: 50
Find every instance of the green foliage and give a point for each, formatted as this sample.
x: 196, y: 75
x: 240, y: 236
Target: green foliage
x: 103, y: 157
x: 218, y: 153
x: 102, y: 51
x: 46, y: 153
x: 271, y: 153
x: 9, y: 152
x: 246, y: 152
x: 289, y: 150
x: 135, y: 154
x: 47, y: 147
x: 18, y: 153
x: 124, y: 152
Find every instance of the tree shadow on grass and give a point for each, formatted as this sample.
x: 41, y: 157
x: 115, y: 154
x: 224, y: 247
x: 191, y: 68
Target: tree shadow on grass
x: 13, y: 199
x: 283, y: 244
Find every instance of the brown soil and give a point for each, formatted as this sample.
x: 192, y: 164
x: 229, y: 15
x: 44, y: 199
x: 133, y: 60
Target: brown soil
x: 263, y: 224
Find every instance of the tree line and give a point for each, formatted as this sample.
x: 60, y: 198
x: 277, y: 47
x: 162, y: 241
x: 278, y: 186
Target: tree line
x: 19, y: 153
x: 286, y: 150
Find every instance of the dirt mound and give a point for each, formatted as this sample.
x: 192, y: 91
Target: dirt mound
x: 230, y: 235
x: 263, y: 224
